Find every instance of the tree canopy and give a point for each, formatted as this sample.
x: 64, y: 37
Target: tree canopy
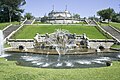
x: 10, y: 10
x: 28, y: 16
x: 109, y: 14
x: 116, y: 17
x: 106, y: 13
x: 76, y: 16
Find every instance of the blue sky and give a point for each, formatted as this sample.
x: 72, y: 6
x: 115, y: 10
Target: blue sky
x: 85, y: 8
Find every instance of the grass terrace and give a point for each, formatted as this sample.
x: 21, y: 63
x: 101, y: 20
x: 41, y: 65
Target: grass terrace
x: 37, y: 22
x: 116, y: 46
x: 28, y: 32
x: 81, y: 23
x: 3, y: 25
x: 116, y: 25
x: 10, y: 71
x: 103, y: 23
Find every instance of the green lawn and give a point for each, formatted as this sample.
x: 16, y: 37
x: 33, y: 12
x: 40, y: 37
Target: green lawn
x: 36, y: 22
x: 10, y: 71
x: 3, y: 25
x: 28, y: 32
x: 116, y: 46
x: 103, y: 23
x: 116, y: 25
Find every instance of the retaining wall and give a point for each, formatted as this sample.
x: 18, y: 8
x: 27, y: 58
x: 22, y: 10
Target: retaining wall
x: 93, y: 44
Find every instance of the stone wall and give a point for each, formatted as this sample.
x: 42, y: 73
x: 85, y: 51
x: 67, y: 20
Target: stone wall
x: 21, y: 42
x: 63, y: 21
x: 97, y: 45
x: 24, y: 44
x: 93, y: 44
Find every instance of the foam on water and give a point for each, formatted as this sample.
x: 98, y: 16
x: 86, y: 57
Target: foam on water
x: 99, y: 62
x: 5, y: 55
x: 103, y: 59
x: 39, y: 63
x: 59, y: 64
x: 69, y: 64
x: 46, y: 65
x: 34, y: 62
x: 30, y: 58
x: 118, y: 56
x: 83, y: 62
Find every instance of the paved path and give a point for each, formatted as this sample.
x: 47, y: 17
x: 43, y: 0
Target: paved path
x: 10, y: 29
x: 112, y: 31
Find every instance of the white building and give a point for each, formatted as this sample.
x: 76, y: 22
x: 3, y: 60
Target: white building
x: 58, y: 17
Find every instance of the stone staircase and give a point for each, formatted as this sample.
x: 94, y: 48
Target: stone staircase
x: 9, y: 30
x: 113, y: 32
x: 28, y: 22
x: 90, y: 22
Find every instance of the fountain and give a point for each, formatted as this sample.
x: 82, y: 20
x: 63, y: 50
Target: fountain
x: 62, y: 40
x: 1, y: 43
x: 64, y: 61
x: 62, y: 43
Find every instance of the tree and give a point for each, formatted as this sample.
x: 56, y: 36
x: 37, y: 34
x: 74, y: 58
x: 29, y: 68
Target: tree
x: 44, y: 19
x: 94, y: 18
x: 76, y: 16
x: 28, y: 16
x: 11, y: 9
x: 106, y: 13
x: 116, y: 17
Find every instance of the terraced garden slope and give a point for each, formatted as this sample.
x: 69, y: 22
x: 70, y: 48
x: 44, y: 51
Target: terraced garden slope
x: 116, y: 25
x: 3, y: 25
x: 28, y: 32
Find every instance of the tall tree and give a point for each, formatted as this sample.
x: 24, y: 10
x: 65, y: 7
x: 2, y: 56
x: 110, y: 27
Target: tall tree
x: 106, y: 13
x: 116, y: 17
x: 11, y: 8
x: 28, y: 16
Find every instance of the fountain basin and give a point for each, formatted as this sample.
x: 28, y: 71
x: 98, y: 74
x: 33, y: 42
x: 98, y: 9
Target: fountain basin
x: 63, y: 61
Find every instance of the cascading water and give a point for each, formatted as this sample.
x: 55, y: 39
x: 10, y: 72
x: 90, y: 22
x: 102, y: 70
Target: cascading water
x: 1, y: 43
x: 62, y: 40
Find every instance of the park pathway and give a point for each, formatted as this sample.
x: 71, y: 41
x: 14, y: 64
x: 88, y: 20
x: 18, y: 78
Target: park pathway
x: 113, y: 32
